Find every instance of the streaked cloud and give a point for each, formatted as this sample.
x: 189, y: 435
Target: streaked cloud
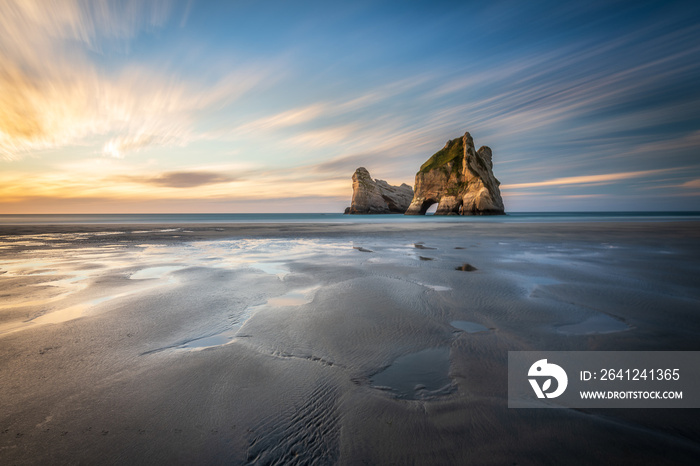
x: 180, y: 179
x: 49, y: 91
x: 581, y: 196
x: 324, y: 137
x: 589, y: 179
x: 32, y: 26
x: 53, y: 95
x: 692, y: 184
x: 284, y: 119
x: 138, y: 108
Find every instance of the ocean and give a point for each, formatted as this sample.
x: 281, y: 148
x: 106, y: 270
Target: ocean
x: 516, y: 217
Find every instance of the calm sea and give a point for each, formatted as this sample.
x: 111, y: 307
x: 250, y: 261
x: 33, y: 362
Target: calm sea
x: 518, y: 217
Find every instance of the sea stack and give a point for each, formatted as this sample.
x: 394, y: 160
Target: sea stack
x: 377, y: 196
x: 460, y: 180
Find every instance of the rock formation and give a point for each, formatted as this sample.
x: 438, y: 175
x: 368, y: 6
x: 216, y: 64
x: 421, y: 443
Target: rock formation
x: 377, y: 196
x: 460, y: 179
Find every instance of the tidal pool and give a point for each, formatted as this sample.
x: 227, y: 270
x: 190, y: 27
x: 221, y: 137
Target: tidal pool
x: 417, y: 375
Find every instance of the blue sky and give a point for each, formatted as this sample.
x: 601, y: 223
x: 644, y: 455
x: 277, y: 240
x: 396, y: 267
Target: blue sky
x: 257, y: 106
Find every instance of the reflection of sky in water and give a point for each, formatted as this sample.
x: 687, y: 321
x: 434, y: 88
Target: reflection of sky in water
x: 549, y: 254
x: 415, y: 375
x: 55, y: 278
x: 268, y: 255
x: 597, y: 324
x: 58, y: 274
x: 469, y: 327
x: 81, y: 309
x: 154, y: 272
x: 291, y: 298
x: 272, y: 268
x: 435, y: 287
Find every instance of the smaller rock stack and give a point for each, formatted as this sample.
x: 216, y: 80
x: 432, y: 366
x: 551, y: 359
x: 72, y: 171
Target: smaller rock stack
x: 377, y: 196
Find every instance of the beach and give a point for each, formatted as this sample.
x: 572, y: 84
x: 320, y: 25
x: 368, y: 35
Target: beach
x: 332, y: 343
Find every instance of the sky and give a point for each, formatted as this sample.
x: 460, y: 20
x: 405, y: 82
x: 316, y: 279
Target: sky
x: 270, y: 106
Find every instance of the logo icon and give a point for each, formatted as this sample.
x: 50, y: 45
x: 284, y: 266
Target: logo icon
x: 546, y: 371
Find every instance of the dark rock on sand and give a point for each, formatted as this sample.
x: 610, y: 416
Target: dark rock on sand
x: 460, y: 180
x: 377, y: 196
x: 466, y: 268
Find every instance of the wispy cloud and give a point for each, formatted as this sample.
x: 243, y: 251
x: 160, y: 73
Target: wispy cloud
x: 284, y: 119
x: 324, y: 137
x: 581, y: 196
x: 52, y: 95
x: 179, y: 179
x: 138, y: 108
x: 692, y: 184
x: 526, y: 108
x: 589, y: 179
x: 33, y: 26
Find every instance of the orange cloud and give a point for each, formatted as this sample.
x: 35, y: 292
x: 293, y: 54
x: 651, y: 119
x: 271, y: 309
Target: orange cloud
x: 693, y: 184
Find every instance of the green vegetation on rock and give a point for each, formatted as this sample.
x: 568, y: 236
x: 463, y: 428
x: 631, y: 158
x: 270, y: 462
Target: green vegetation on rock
x: 457, y: 189
x: 454, y: 150
x: 460, y: 179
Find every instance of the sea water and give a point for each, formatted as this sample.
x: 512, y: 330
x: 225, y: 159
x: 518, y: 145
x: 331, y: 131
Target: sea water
x: 514, y: 217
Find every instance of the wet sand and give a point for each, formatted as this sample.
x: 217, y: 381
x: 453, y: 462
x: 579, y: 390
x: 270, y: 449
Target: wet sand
x: 332, y: 343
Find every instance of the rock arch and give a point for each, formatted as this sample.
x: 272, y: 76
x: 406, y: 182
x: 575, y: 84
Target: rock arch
x: 460, y: 179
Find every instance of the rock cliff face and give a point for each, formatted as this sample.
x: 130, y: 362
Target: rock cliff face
x: 377, y: 196
x: 460, y: 179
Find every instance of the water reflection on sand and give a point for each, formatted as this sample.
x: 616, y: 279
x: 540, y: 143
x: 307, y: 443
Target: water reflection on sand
x: 60, y: 278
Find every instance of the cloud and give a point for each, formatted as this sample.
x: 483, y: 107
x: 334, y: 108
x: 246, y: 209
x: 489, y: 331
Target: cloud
x: 32, y: 26
x: 581, y: 196
x: 576, y: 95
x: 52, y: 94
x: 343, y: 118
x: 139, y: 107
x: 180, y: 179
x: 325, y: 136
x: 692, y: 184
x: 580, y: 94
x: 589, y: 179
x: 118, y: 146
x: 285, y: 119
x: 348, y: 163
x: 65, y: 106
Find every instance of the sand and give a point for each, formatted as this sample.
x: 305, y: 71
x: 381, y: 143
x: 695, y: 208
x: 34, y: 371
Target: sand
x: 332, y: 343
